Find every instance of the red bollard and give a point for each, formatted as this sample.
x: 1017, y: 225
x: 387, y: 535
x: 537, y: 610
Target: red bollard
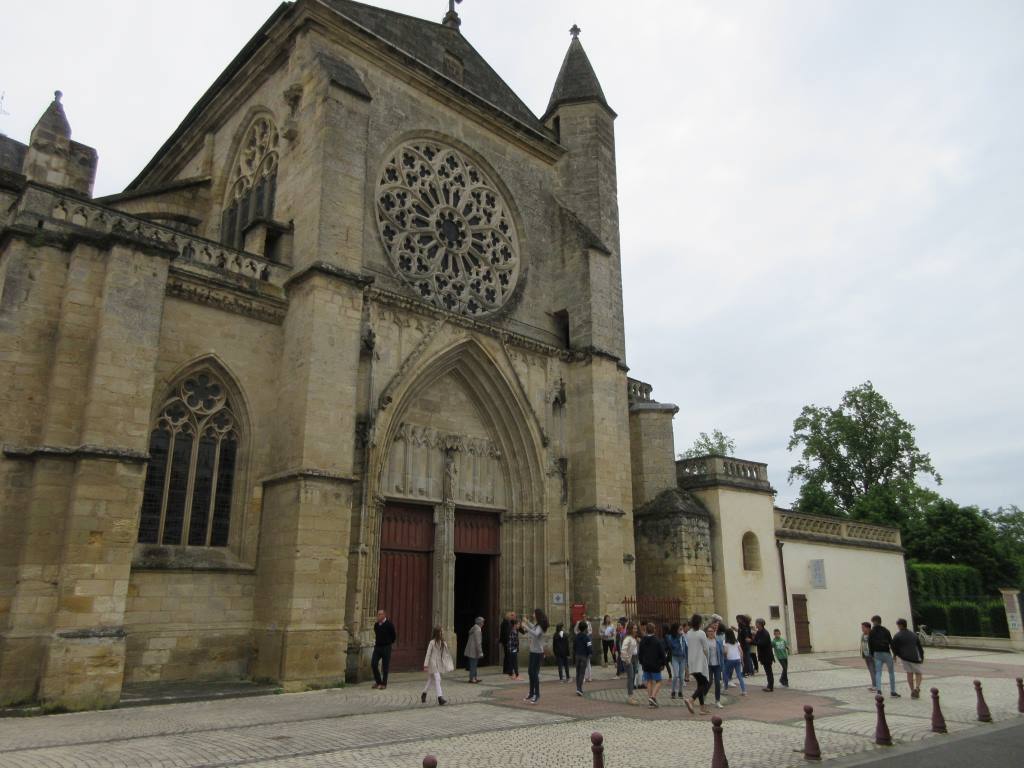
x: 984, y: 715
x: 938, y: 721
x: 1020, y: 695
x: 882, y: 736
x: 597, y: 747
x: 429, y: 762
x: 718, y: 758
x: 811, y: 749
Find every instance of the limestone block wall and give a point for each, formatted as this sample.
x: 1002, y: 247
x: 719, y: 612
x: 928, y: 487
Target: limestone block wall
x: 735, y: 512
x: 189, y: 626
x: 859, y: 583
x: 651, y: 449
x: 673, y: 551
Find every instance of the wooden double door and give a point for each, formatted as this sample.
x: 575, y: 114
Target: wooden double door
x: 406, y: 578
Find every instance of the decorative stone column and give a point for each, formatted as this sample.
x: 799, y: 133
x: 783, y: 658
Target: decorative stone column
x: 1011, y: 601
x: 444, y: 550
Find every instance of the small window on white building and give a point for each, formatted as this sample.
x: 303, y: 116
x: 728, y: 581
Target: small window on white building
x: 751, y: 552
x: 818, y: 574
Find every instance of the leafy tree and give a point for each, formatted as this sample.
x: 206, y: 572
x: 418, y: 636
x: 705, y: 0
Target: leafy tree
x: 716, y: 444
x: 1009, y: 525
x: 859, y: 459
x: 942, y: 531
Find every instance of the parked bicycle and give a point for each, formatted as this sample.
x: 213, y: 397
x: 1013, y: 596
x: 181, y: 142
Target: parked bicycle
x: 936, y: 637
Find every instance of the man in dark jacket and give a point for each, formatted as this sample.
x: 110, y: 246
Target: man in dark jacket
x: 906, y: 646
x: 384, y: 637
x: 880, y: 645
x: 651, y: 655
x: 763, y: 643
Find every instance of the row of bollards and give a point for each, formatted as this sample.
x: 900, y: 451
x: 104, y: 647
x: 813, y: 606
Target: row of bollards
x: 812, y: 750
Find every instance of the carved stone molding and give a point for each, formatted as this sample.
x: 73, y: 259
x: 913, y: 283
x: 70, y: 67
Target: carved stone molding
x: 33, y: 452
x: 193, y: 288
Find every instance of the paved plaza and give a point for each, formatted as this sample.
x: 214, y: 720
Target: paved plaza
x: 490, y: 725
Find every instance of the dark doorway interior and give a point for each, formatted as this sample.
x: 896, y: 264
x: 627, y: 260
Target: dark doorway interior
x: 473, y: 595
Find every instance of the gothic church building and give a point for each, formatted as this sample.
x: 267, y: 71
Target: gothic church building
x: 353, y: 338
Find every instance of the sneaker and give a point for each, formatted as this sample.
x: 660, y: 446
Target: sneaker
x: 632, y: 700
x: 423, y: 698
x: 376, y: 686
x: 673, y: 694
x: 894, y: 695
x: 689, y: 705
x: 441, y: 701
x: 767, y: 690
x: 532, y: 701
x: 528, y: 698
x: 743, y: 693
x: 579, y: 692
x: 718, y: 705
x: 873, y: 690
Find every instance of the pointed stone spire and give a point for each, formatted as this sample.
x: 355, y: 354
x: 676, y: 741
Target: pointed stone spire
x: 54, y: 159
x: 451, y: 19
x: 577, y: 81
x: 53, y: 121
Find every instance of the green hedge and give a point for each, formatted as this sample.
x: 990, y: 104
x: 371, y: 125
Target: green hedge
x: 996, y: 614
x: 964, y: 618
x: 934, y: 615
x: 941, y: 582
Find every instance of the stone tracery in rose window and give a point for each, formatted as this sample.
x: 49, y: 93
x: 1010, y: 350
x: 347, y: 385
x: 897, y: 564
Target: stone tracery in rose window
x: 193, y: 454
x: 447, y: 230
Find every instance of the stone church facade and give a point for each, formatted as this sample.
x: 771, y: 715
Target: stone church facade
x: 353, y: 338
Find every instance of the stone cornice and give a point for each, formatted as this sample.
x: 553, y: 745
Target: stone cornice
x: 514, y: 339
x: 323, y: 268
x: 609, y: 511
x: 76, y: 452
x: 207, y: 290
x: 308, y: 473
x: 834, y: 541
x: 97, y: 633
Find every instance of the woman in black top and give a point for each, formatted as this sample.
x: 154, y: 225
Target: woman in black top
x: 763, y: 643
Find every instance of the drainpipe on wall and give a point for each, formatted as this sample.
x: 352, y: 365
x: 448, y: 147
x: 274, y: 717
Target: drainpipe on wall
x: 785, y: 596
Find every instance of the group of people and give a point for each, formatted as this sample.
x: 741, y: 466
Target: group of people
x: 708, y: 652
x: 878, y: 647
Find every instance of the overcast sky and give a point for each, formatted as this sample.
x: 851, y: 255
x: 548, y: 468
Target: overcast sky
x: 812, y: 193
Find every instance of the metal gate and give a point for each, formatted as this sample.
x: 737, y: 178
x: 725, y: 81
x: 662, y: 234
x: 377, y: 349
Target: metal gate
x: 405, y: 589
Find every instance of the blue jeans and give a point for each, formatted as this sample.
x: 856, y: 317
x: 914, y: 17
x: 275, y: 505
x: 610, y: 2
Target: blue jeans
x: 715, y: 673
x: 735, y: 665
x: 884, y: 657
x: 471, y: 663
x: 678, y: 673
x: 534, y: 673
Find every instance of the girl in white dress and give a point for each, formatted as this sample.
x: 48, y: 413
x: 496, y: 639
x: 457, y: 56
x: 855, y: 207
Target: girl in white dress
x: 437, y: 661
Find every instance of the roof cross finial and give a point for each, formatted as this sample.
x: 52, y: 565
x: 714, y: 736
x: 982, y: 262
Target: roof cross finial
x: 451, y: 19
x: 575, y: 32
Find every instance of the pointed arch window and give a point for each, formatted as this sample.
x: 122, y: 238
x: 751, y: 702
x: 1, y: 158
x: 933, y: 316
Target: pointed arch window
x: 252, y: 183
x: 193, y: 459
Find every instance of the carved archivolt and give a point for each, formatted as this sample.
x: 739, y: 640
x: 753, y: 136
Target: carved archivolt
x: 447, y: 229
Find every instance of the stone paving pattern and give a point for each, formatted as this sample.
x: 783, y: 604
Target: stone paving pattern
x: 490, y: 725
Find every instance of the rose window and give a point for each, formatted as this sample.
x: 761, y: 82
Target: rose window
x: 447, y: 229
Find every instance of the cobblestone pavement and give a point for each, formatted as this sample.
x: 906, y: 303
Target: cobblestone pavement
x: 489, y: 724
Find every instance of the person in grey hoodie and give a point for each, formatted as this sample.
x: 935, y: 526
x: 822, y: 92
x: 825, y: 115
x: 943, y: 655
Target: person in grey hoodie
x: 474, y: 648
x: 535, y: 632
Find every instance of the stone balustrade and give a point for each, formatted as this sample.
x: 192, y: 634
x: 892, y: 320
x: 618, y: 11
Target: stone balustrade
x: 639, y: 391
x: 797, y: 525
x: 722, y: 470
x: 66, y: 210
